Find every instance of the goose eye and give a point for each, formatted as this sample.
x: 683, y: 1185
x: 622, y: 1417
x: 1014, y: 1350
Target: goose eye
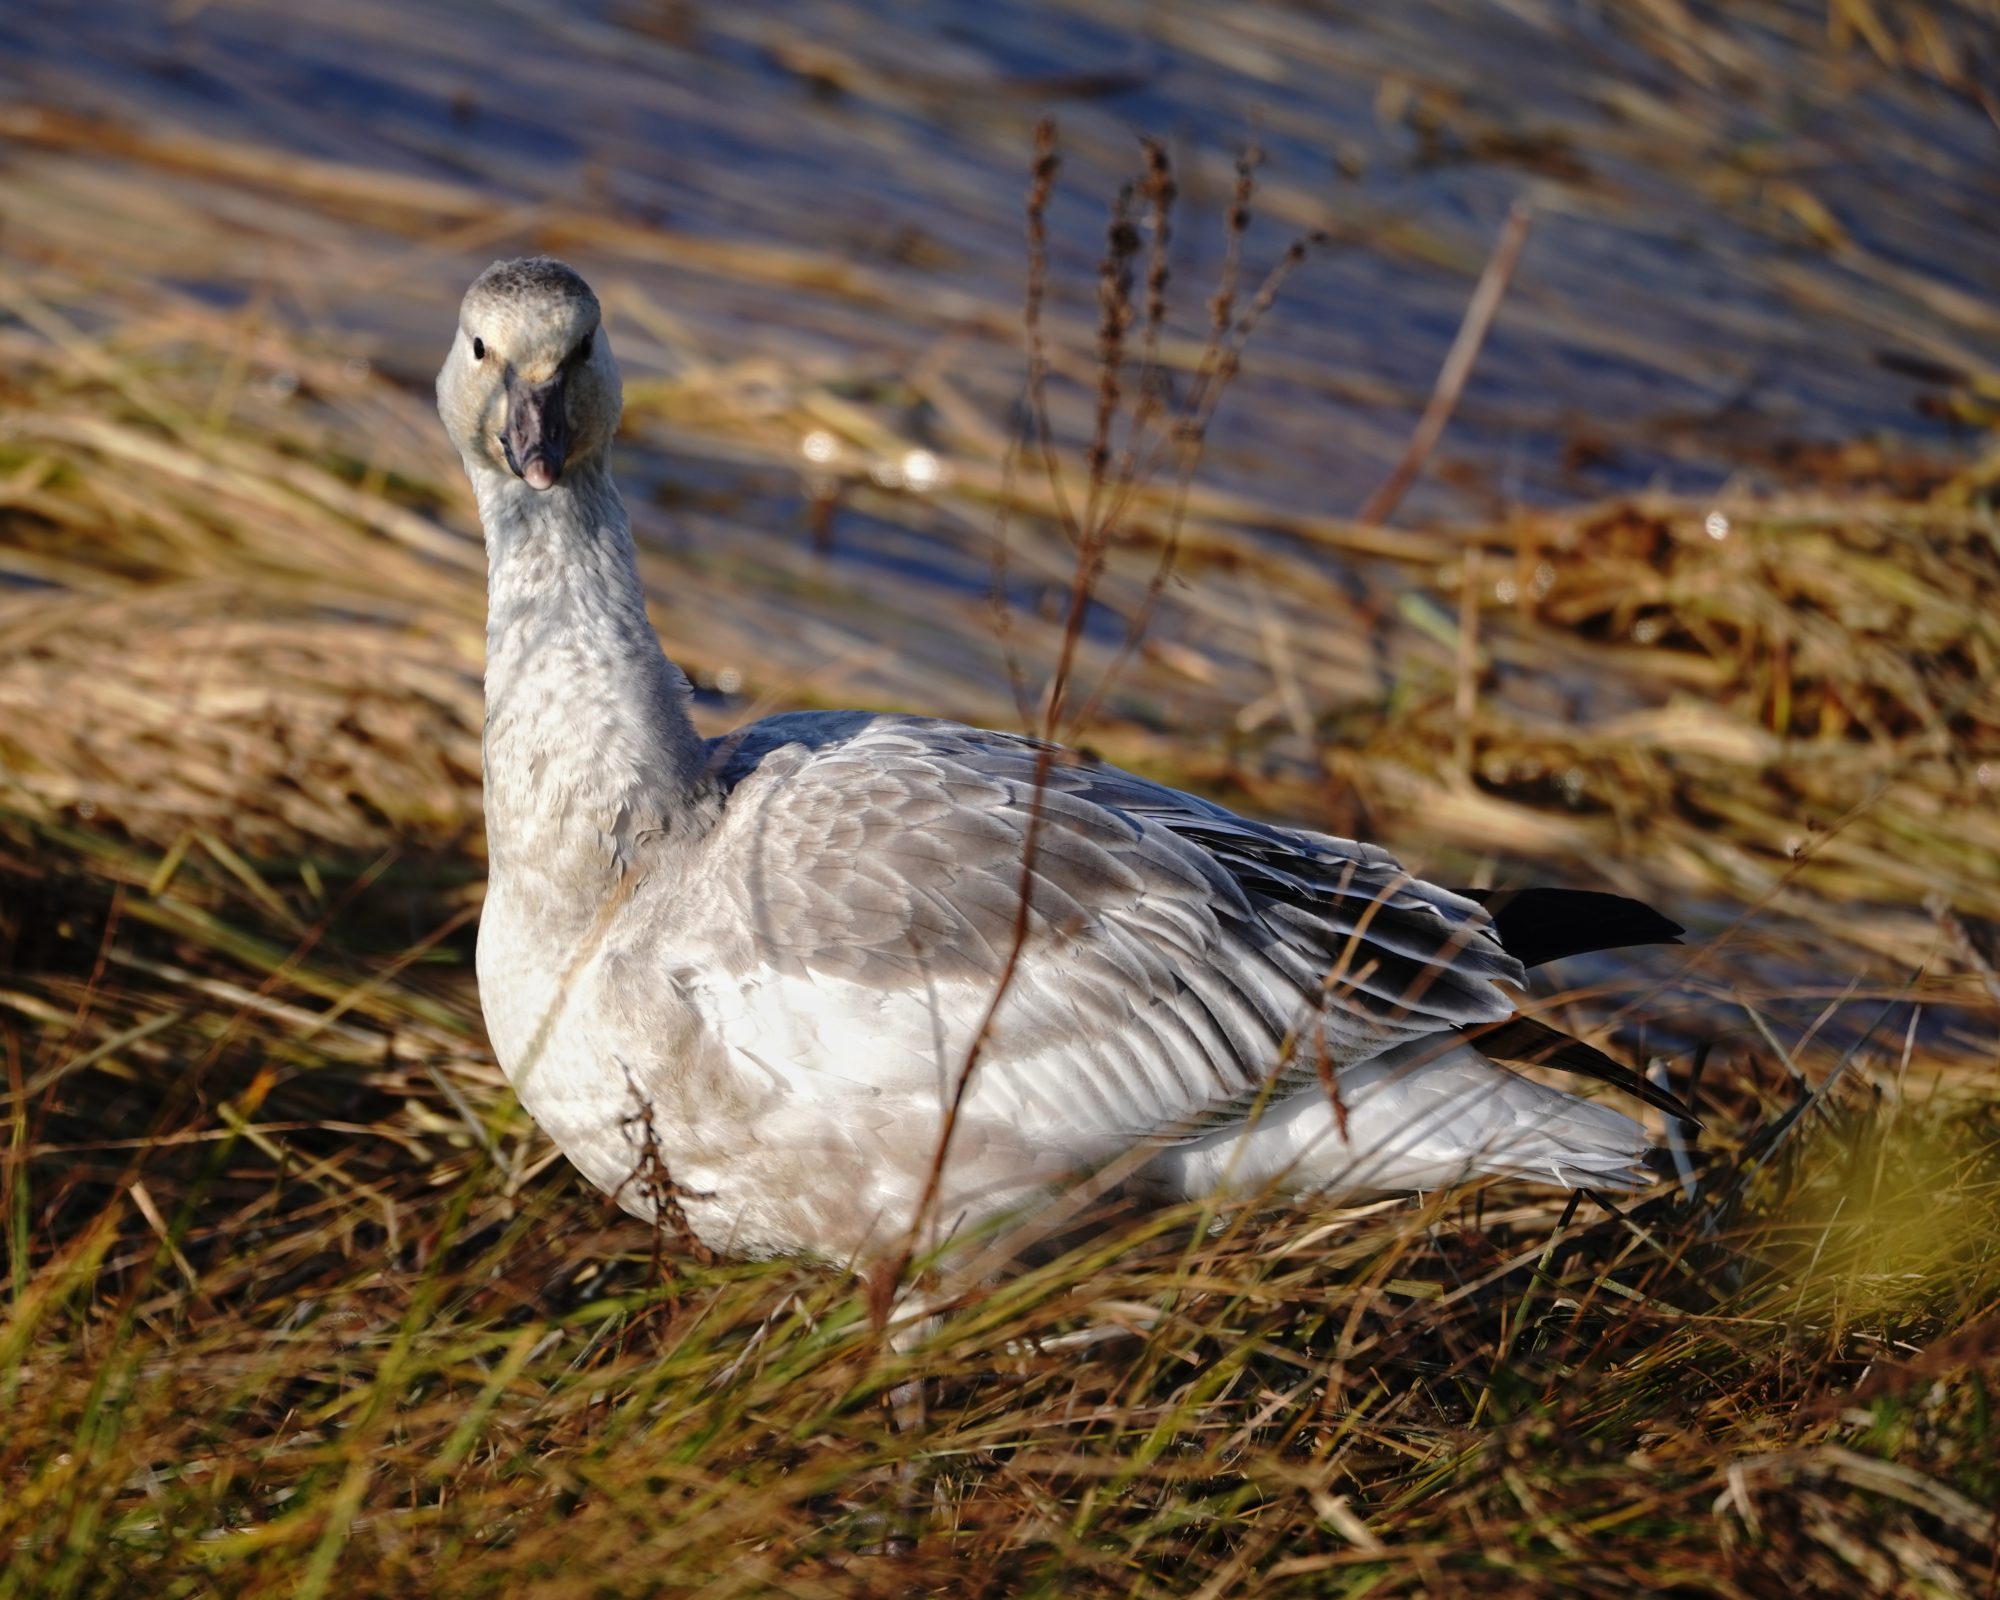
x: 478, y: 348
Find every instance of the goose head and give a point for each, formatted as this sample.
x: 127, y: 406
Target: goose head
x: 530, y: 388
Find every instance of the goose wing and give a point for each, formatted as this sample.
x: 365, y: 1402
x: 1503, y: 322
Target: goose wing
x: 1172, y: 957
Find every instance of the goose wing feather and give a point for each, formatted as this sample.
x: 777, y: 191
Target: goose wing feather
x: 1172, y: 948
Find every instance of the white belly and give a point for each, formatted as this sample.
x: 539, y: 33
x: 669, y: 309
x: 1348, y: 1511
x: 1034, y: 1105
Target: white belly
x: 785, y: 1123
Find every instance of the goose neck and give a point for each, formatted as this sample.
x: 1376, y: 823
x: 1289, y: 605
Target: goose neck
x: 591, y: 760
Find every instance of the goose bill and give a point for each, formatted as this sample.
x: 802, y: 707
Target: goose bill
x: 537, y: 435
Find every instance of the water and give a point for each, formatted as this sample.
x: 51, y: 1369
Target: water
x: 1673, y: 313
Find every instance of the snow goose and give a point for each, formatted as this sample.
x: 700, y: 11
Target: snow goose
x: 758, y: 965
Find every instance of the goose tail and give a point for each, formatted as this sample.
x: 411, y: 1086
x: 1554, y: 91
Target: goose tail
x: 1419, y: 1117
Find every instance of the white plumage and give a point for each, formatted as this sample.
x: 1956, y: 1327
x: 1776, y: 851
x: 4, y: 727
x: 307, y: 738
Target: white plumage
x: 765, y: 959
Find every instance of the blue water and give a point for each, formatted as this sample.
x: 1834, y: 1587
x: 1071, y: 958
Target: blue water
x: 1672, y: 323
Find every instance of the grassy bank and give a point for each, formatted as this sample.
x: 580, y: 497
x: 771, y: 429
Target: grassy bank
x: 300, y: 1303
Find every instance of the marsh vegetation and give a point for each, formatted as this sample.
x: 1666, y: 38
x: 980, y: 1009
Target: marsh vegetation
x: 1697, y: 598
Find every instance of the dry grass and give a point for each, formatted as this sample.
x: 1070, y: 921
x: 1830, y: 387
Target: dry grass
x: 299, y: 1303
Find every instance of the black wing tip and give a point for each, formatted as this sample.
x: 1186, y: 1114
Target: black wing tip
x: 1669, y: 1102
x: 1540, y: 924
x: 1533, y: 1043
